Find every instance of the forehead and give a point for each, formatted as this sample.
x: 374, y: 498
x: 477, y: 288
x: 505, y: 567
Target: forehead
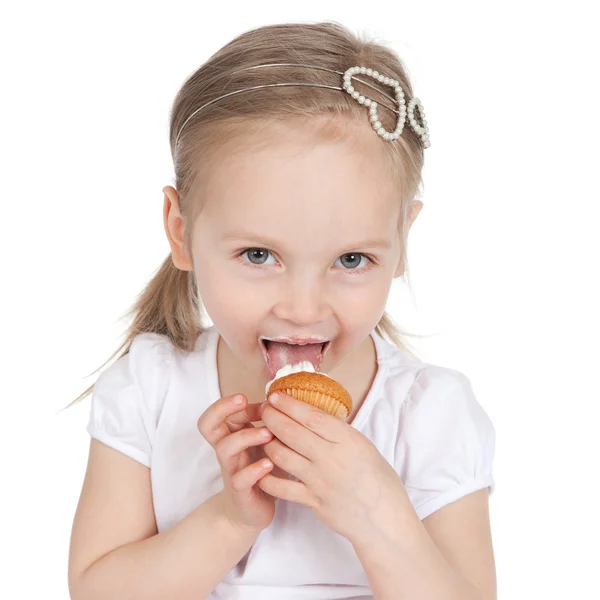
x: 288, y: 179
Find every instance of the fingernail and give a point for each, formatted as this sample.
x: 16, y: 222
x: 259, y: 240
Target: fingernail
x: 238, y: 400
x: 274, y: 398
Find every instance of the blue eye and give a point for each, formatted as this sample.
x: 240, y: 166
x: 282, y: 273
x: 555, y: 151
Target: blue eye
x: 256, y: 256
x: 352, y: 261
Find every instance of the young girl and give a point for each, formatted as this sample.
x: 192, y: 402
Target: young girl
x: 296, y: 179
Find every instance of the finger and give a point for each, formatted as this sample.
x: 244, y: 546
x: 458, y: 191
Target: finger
x: 229, y: 447
x: 291, y: 462
x: 293, y: 491
x: 250, y: 414
x: 247, y: 477
x: 327, y: 426
x: 211, y: 423
x: 295, y: 435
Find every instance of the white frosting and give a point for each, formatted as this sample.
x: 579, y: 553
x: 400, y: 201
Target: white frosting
x: 305, y: 365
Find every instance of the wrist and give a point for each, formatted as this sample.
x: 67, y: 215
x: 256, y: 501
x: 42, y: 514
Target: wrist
x: 231, y: 525
x: 402, y: 535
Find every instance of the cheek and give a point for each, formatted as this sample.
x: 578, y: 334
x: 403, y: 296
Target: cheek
x: 215, y: 284
x: 227, y: 301
x: 361, y: 302
x: 230, y: 287
x: 359, y: 312
x: 221, y: 298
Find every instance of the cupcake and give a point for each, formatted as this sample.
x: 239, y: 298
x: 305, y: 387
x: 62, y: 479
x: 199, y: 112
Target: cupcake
x: 302, y: 382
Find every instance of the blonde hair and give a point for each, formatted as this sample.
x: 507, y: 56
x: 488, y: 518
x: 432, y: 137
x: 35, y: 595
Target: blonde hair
x: 170, y: 303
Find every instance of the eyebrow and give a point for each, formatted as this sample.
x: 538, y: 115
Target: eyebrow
x: 240, y: 234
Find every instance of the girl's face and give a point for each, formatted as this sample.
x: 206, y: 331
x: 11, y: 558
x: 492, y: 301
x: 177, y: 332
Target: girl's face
x: 298, y: 238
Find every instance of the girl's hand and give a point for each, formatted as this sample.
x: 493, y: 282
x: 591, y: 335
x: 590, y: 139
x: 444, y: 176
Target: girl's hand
x: 342, y: 476
x: 227, y: 427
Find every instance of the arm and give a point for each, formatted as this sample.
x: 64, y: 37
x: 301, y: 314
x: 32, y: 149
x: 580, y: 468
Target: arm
x: 448, y: 556
x: 116, y: 552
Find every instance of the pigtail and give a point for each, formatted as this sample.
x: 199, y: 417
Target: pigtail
x: 388, y: 329
x: 169, y: 306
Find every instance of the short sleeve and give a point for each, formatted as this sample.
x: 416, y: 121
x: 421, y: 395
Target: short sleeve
x: 128, y: 396
x: 446, y: 441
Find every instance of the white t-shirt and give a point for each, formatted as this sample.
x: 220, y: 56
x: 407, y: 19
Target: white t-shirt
x: 423, y: 418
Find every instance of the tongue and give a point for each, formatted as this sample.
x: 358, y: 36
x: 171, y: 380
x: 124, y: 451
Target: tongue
x: 281, y: 354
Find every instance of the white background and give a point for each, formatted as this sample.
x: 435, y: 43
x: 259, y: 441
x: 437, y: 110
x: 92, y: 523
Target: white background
x: 503, y: 255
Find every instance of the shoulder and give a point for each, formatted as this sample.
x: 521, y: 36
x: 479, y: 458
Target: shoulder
x: 426, y: 390
x: 150, y: 352
x: 152, y: 346
x: 421, y: 385
x: 444, y: 398
x: 147, y: 352
x: 128, y: 396
x: 446, y: 441
x: 141, y: 375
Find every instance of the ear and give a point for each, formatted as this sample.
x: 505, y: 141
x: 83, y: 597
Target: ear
x: 415, y: 209
x: 174, y: 228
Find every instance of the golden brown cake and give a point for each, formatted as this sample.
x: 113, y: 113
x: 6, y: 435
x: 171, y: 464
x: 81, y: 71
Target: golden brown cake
x: 316, y: 389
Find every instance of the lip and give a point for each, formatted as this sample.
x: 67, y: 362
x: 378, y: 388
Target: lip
x: 300, y: 341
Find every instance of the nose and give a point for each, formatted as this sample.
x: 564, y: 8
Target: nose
x: 302, y: 302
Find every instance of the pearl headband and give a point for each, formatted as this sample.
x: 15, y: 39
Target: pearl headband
x: 420, y: 129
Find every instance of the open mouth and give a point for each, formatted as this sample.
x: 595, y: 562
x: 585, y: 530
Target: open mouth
x: 280, y: 354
